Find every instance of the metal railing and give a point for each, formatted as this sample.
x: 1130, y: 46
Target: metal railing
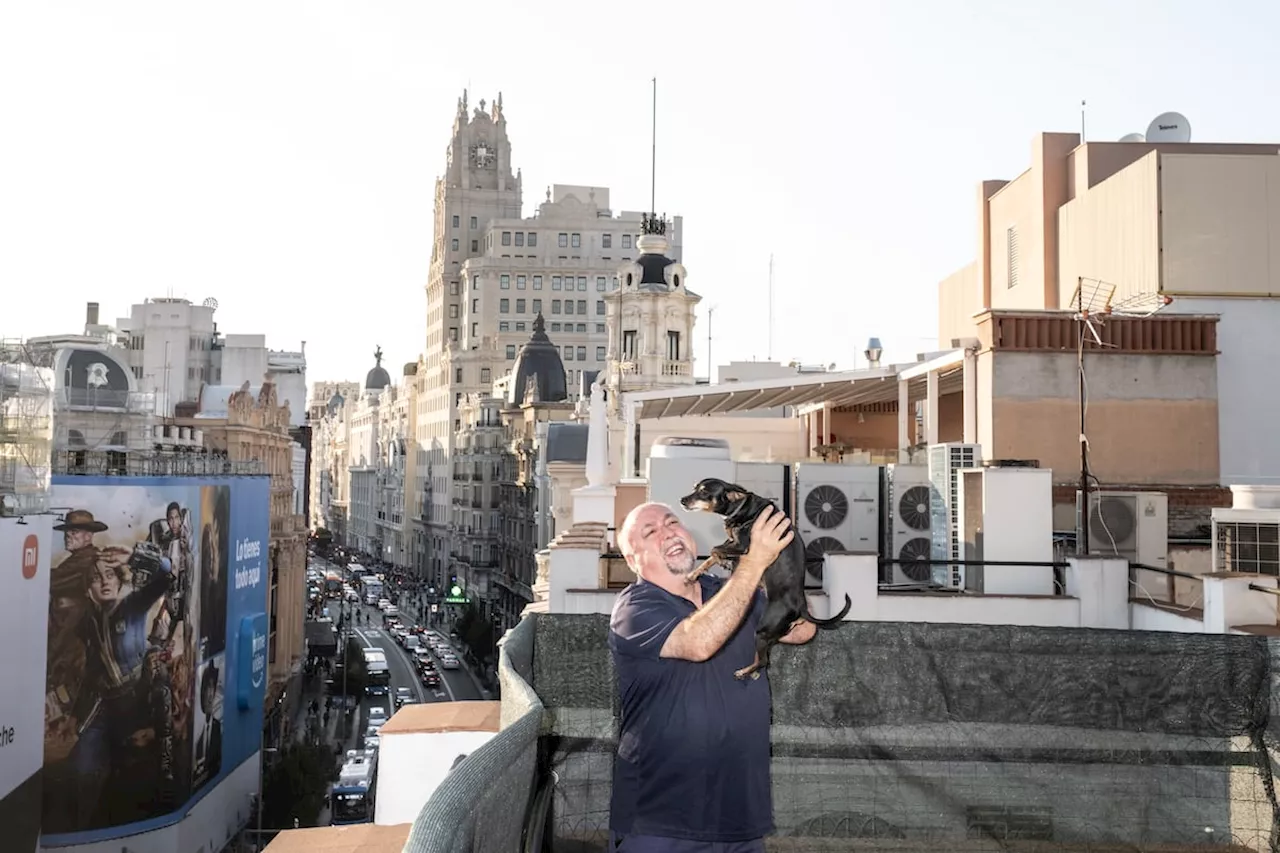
x: 110, y: 463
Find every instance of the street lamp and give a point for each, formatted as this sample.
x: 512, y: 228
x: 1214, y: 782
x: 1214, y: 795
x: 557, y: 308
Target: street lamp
x: 262, y: 762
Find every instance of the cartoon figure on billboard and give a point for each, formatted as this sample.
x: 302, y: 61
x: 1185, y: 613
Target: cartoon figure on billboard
x: 120, y: 688
x: 208, y: 758
x: 215, y: 554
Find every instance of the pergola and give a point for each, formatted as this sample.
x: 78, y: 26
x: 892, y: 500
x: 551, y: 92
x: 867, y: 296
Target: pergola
x: 814, y: 395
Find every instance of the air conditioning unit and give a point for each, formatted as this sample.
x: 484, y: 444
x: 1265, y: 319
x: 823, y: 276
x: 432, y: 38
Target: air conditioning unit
x: 945, y: 463
x: 1132, y: 525
x: 837, y: 509
x: 907, y: 522
x: 1246, y: 537
x: 1006, y: 516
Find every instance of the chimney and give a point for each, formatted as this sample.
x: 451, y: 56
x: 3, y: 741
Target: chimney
x: 91, y: 314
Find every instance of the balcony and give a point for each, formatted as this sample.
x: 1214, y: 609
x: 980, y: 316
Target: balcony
x: 913, y: 737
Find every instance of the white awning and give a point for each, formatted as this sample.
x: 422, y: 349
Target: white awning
x: 846, y: 388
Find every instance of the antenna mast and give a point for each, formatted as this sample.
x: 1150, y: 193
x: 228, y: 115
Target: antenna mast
x: 1082, y: 106
x: 711, y: 310
x: 769, y: 356
x: 653, y: 164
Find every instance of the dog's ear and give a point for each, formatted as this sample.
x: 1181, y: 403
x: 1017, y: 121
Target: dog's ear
x: 734, y: 493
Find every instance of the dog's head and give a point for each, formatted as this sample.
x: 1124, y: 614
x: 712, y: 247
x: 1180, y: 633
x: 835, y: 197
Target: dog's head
x: 714, y: 496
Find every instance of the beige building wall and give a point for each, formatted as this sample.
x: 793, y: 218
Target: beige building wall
x: 959, y: 298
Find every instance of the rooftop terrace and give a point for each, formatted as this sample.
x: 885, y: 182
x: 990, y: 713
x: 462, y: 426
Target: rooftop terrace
x: 912, y: 736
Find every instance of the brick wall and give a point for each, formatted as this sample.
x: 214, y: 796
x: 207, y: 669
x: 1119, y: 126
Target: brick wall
x: 1190, y: 507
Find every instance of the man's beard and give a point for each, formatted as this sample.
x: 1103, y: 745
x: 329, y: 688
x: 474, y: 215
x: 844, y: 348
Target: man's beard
x: 680, y: 563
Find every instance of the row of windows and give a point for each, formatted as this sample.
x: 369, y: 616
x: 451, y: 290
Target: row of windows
x: 504, y: 306
x: 557, y: 282
x: 521, y: 326
x: 474, y: 223
x: 564, y: 240
x: 570, y: 353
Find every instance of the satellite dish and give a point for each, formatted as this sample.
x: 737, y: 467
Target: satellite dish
x: 1169, y: 127
x: 211, y: 303
x: 1133, y: 137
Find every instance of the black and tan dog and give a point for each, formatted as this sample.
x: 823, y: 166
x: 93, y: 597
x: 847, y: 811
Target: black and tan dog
x: 783, y: 581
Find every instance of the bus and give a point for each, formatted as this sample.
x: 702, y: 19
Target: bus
x: 379, y: 675
x: 372, y: 589
x: 333, y: 584
x: 351, y: 799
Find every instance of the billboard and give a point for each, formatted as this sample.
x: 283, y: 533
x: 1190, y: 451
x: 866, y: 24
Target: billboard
x: 24, y: 600
x: 151, y: 586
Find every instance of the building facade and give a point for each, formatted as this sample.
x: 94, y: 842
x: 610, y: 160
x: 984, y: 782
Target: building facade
x: 492, y: 272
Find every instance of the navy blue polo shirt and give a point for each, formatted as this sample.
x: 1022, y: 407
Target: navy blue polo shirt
x: 693, y: 749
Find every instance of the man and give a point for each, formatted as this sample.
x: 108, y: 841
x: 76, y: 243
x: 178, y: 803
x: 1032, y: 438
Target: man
x: 692, y: 771
x: 209, y: 747
x: 171, y: 536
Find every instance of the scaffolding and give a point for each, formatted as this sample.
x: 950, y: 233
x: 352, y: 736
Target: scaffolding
x: 26, y: 430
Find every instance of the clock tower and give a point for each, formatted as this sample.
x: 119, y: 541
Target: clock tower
x: 478, y: 185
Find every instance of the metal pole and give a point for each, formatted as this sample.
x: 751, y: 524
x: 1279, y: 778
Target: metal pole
x: 653, y: 166
x: 710, y: 364
x: 1082, y: 547
x: 346, y: 624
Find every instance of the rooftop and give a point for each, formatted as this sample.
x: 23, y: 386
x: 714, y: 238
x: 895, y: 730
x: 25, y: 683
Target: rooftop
x: 436, y: 717
x: 359, y: 838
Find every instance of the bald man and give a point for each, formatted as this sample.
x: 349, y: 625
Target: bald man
x: 692, y: 771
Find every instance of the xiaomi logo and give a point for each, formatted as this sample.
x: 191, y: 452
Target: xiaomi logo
x: 30, y: 557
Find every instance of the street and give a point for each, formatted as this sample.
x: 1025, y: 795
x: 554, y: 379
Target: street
x: 456, y: 685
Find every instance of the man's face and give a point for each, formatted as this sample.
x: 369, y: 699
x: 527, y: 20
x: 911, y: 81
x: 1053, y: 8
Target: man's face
x: 660, y: 541
x: 74, y: 540
x: 206, y: 698
x: 104, y: 584
x: 175, y: 520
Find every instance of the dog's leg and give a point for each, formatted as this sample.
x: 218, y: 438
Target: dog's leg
x: 763, y: 645
x: 693, y: 574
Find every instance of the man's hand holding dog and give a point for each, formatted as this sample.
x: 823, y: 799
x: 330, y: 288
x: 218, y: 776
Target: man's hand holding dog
x: 770, y: 535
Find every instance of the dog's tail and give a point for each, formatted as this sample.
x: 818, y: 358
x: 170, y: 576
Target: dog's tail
x: 834, y: 620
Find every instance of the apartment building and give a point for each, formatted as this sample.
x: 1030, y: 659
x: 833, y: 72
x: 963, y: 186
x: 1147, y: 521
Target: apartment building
x: 492, y: 272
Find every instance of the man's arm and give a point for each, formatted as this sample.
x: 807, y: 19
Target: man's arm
x: 702, y: 634
x: 801, y: 632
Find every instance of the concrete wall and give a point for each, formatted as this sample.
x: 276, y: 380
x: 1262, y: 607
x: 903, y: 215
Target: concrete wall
x: 1151, y: 419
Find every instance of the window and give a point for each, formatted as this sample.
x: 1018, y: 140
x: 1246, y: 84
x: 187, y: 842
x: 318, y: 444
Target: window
x: 533, y: 239
x: 582, y: 283
x: 568, y: 306
x: 474, y: 224
x: 504, y: 325
x: 520, y: 326
x: 484, y: 375
x: 537, y: 306
x: 563, y: 240
x: 504, y: 282
x: 504, y: 306
x: 457, y: 374
x: 576, y: 241
x: 626, y: 241
x: 555, y: 327
x: 537, y: 282
x: 475, y: 305
x: 582, y: 306
x: 599, y: 328
x: 506, y: 238
x: 582, y: 353
x: 629, y: 344
x: 520, y: 280
x: 555, y: 306
x: 475, y: 330
x: 453, y: 244
x: 519, y: 238
x: 599, y: 353
x: 600, y: 307
x: 568, y: 353
x: 475, y: 245
x: 673, y: 346
x: 453, y: 312
x: 456, y: 220
x: 520, y: 306
x: 453, y: 333
x: 511, y: 352
x: 582, y: 327
x: 453, y: 288
x: 606, y: 241
x: 475, y: 282
x: 1011, y: 247
x: 601, y: 284
x: 555, y: 282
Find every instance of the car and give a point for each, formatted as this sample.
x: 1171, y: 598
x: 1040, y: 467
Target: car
x: 377, y: 716
x: 449, y: 663
x: 371, y: 743
x: 403, y: 697
x: 430, y: 678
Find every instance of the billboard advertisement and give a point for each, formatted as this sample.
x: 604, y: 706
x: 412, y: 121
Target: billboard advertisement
x: 152, y: 583
x: 24, y: 600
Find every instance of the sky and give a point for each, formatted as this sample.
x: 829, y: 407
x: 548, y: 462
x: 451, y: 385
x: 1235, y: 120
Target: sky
x: 280, y: 157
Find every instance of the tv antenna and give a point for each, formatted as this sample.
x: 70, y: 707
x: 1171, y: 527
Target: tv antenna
x: 769, y: 356
x: 1095, y: 302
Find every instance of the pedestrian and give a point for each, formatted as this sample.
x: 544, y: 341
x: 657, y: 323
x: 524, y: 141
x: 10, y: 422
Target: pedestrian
x: 692, y: 769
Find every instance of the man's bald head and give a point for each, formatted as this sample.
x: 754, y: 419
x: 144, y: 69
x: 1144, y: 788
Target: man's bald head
x: 652, y: 537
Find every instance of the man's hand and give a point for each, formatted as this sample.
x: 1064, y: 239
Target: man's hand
x: 770, y: 535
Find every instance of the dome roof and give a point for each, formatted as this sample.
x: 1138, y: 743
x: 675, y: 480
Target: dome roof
x: 539, y: 360
x: 378, y: 378
x: 336, y: 402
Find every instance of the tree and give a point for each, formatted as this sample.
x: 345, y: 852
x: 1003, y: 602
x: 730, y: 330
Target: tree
x: 297, y: 785
x: 476, y: 633
x: 357, y: 674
